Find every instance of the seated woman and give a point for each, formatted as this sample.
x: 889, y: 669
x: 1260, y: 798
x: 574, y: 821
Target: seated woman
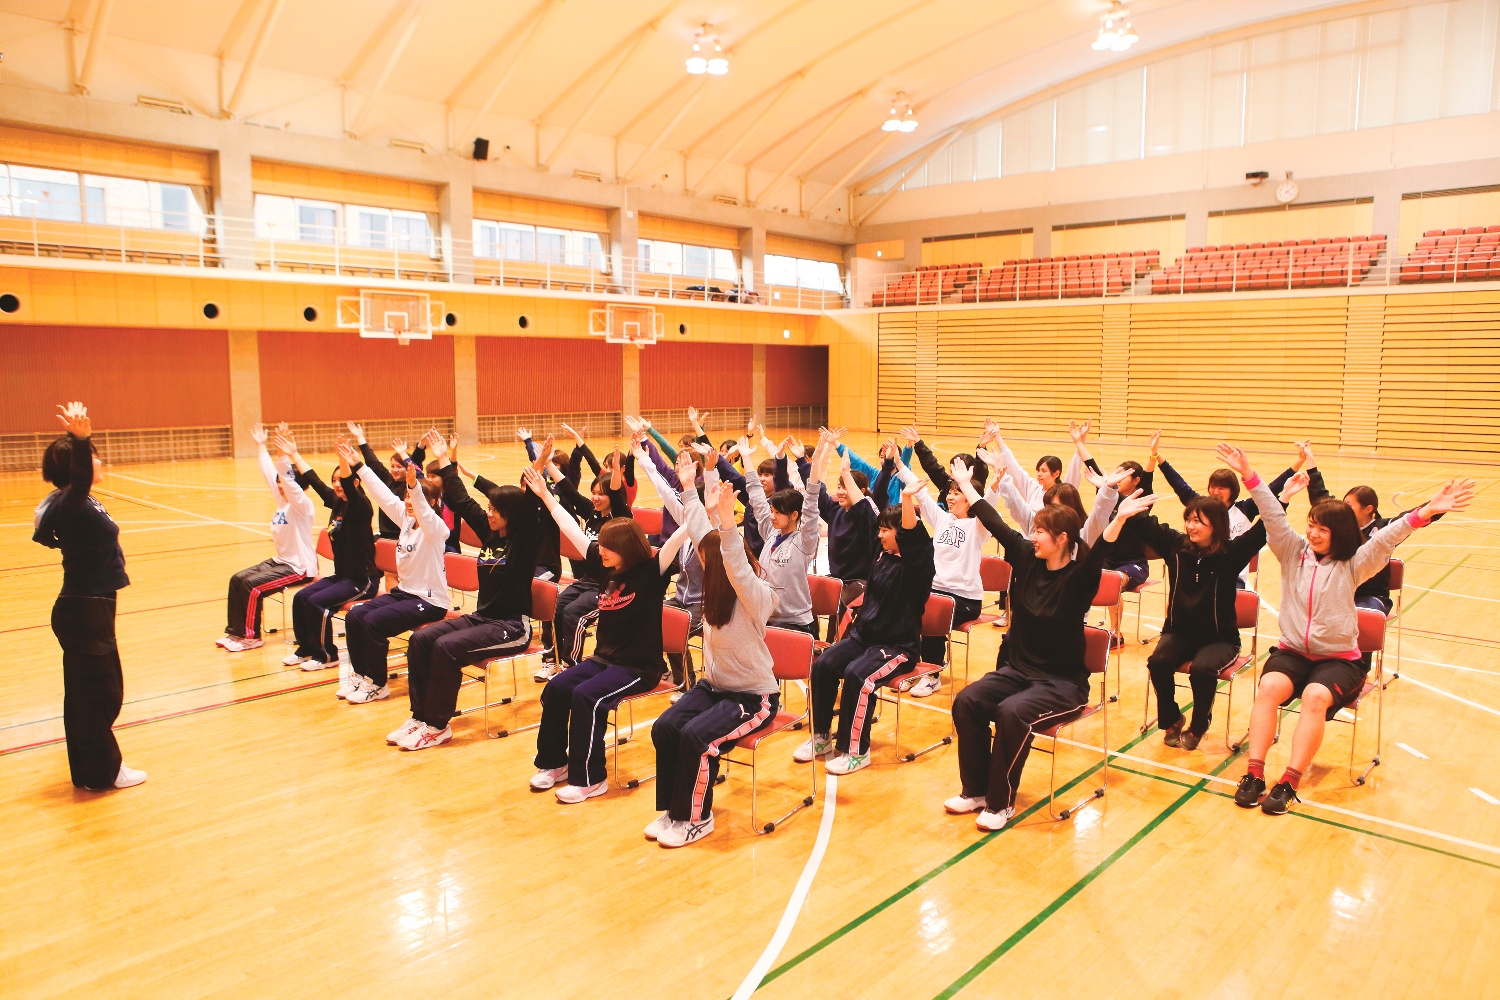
x: 738, y: 692
x: 1203, y: 567
x: 627, y: 656
x: 885, y: 635
x: 1041, y: 676
x: 296, y: 559
x: 500, y: 624
x: 1374, y: 593
x: 421, y: 592
x: 789, y: 523
x: 1225, y: 485
x: 354, y: 577
x: 1317, y: 658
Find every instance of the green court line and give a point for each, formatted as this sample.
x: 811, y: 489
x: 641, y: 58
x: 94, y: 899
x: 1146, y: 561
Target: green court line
x: 1025, y: 930
x: 1417, y: 600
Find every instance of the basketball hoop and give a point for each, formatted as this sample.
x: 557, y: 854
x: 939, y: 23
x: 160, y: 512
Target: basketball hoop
x: 398, y: 325
x: 389, y: 315
x: 618, y: 323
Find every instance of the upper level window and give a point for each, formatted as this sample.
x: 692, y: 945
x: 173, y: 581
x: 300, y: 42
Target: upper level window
x: 309, y: 221
x: 540, y: 244
x: 661, y: 257
x: 802, y: 273
x: 67, y: 196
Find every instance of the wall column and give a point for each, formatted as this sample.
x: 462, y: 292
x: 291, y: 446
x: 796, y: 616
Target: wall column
x: 753, y: 258
x: 465, y: 391
x: 624, y: 244
x: 456, y: 218
x: 1041, y: 237
x: 234, y: 203
x: 758, y: 381
x: 630, y: 379
x: 1195, y: 226
x: 1386, y: 218
x: 244, y: 390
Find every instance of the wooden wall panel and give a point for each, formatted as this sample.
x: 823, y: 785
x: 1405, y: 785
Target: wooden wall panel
x: 896, y: 371
x: 499, y: 207
x: 991, y: 251
x: 547, y: 375
x: 128, y: 378
x: 1440, y: 375
x: 109, y: 157
x: 796, y: 376
x: 703, y: 234
x: 296, y: 180
x: 675, y: 376
x: 795, y: 246
x: 343, y: 376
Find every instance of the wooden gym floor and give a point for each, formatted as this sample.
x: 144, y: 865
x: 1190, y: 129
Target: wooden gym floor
x: 281, y: 849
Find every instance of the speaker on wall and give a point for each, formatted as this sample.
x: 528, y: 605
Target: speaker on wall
x: 481, y: 149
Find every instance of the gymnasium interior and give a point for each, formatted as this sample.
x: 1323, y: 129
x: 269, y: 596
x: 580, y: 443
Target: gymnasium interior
x: 1178, y: 223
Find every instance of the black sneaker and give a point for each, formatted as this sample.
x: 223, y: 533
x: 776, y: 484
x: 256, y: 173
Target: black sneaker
x: 1275, y: 803
x: 1250, y: 789
x: 1190, y: 740
x: 1173, y: 737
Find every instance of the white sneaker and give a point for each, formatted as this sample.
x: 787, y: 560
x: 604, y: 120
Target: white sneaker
x: 408, y: 727
x: 292, y: 659
x: 545, y: 673
x: 426, y: 738
x: 547, y: 777
x: 993, y: 821
x: 570, y: 795
x: 343, y: 656
x: 233, y: 645
x: 366, y: 691
x: 656, y: 826
x: 224, y: 641
x: 927, y: 686
x: 815, y: 746
x: 847, y: 763
x: 129, y: 776
x: 683, y: 834
x: 251, y: 643
x: 316, y: 664
x: 346, y: 682
x: 960, y: 804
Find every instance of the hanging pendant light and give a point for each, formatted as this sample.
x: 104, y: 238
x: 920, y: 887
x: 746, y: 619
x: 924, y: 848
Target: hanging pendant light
x: 1116, y: 34
x: 708, y: 54
x: 901, y: 118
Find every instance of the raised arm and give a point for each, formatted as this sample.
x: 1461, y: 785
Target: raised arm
x: 429, y: 520
x: 695, y: 516
x: 1371, y: 557
x: 1285, y: 543
x: 75, y: 418
x: 263, y: 457
x: 670, y: 501
x: 371, y: 460
x: 931, y: 466
x: 755, y: 594
x: 567, y: 525
x: 1179, y: 485
x: 394, y: 508
x: 667, y: 554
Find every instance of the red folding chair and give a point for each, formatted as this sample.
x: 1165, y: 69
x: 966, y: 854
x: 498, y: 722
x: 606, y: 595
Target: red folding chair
x: 1138, y: 591
x: 937, y: 620
x: 825, y: 592
x: 791, y: 659
x: 675, y: 625
x: 543, y: 609
x: 649, y: 518
x: 385, y: 561
x: 1096, y: 658
x: 1247, y: 616
x: 1372, y: 641
x: 994, y: 575
x: 1398, y: 588
x: 1111, y: 595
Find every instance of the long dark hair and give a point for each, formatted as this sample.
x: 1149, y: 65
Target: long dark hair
x: 1214, y: 514
x: 625, y: 538
x: 1343, y: 529
x: 1066, y: 495
x: 517, y: 507
x: 719, y: 597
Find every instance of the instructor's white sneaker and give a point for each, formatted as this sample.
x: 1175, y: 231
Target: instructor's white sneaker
x: 426, y: 737
x: 960, y: 804
x: 313, y: 663
x: 232, y: 645
x: 815, y: 746
x: 408, y: 727
x: 927, y: 686
x: 993, y: 821
x: 129, y: 776
x: 292, y: 659
x: 847, y: 763
x: 366, y: 691
x: 656, y: 826
x: 683, y: 834
x: 547, y: 777
x: 570, y: 795
x: 347, y: 682
x: 245, y: 644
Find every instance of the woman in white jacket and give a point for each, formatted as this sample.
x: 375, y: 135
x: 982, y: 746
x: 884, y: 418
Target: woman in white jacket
x: 295, y: 561
x: 1317, y: 658
x: 421, y: 592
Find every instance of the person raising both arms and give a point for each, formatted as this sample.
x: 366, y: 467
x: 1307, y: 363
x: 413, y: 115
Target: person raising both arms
x: 1317, y: 658
x: 393, y: 476
x: 83, y: 616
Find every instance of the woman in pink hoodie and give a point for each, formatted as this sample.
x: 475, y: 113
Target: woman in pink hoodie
x: 1317, y: 658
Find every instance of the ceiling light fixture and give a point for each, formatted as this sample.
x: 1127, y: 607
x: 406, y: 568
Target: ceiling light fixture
x: 902, y: 118
x: 708, y: 54
x: 1116, y: 34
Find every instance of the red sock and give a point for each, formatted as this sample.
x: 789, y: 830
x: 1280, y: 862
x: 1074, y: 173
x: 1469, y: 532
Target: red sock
x: 1291, y: 776
x: 1257, y: 769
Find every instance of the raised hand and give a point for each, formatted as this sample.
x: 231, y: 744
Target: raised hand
x: 1096, y: 480
x: 452, y: 447
x: 1234, y: 457
x: 1293, y: 486
x: 536, y: 484
x: 633, y: 424
x: 961, y: 472
x: 544, y: 454
x: 577, y: 437
x: 687, y: 469
x: 725, y: 501
x: 989, y: 458
x: 411, y: 476
x: 692, y: 415
x: 523, y: 433
x: 1134, y: 504
x: 1077, y: 432
x: 348, y: 457
x: 398, y: 445
x: 746, y: 450
x: 888, y: 450
x: 1305, y: 455
x: 1155, y: 440
x: 285, y: 445
x: 75, y: 418
x: 356, y: 431
x: 796, y: 449
x: 1117, y: 477
x: 785, y: 448
x: 438, y: 449
x: 704, y: 451
x: 258, y: 434
x: 913, y: 489
x: 909, y: 434
x: 1455, y: 495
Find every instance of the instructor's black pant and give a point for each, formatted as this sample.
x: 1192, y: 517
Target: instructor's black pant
x: 689, y: 737
x: 436, y: 654
x: 862, y: 668
x: 1171, y: 652
x: 93, y: 687
x: 1018, y: 705
x: 248, y: 590
x: 369, y: 626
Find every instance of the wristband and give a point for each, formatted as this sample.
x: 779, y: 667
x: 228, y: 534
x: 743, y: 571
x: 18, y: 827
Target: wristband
x: 1253, y: 480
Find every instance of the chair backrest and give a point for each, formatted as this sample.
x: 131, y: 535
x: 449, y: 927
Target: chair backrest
x: 1246, y: 608
x: 1095, y: 649
x: 325, y: 544
x: 1371, y: 630
x: 1398, y: 574
x: 937, y: 617
x: 994, y: 574
x: 1254, y: 564
x: 467, y: 536
x: 1111, y: 585
x: 385, y: 555
x: 825, y: 594
x: 649, y: 518
x: 791, y: 653
x: 848, y: 617
x: 462, y: 571
x: 675, y: 626
x: 543, y: 600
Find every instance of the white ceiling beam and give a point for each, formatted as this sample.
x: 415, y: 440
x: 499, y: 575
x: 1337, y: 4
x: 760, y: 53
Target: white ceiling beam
x: 796, y: 160
x: 850, y: 173
x: 97, y: 35
x: 746, y: 132
x: 863, y: 184
x: 374, y: 41
x: 507, y: 39
x: 632, y: 174
x: 236, y: 29
x: 626, y: 45
x: 528, y: 38
x: 412, y: 18
x: 252, y: 61
x: 937, y: 148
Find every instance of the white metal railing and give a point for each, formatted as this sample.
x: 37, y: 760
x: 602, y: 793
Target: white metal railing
x: 239, y: 243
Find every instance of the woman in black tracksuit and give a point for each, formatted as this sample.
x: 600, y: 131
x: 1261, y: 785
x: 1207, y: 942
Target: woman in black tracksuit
x: 500, y: 624
x: 1203, y: 569
x: 355, y: 576
x: 83, y: 617
x: 605, y: 502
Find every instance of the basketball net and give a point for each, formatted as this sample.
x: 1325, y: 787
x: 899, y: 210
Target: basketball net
x: 399, y: 324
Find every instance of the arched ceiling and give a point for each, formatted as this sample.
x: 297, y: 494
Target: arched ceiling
x: 809, y: 80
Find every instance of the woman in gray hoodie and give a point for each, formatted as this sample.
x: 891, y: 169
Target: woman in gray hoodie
x: 1317, y: 657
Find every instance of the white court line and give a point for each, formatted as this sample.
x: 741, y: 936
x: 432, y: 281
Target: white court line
x: 1454, y: 593
x: 1413, y: 751
x: 227, y: 488
x: 1450, y: 694
x: 1486, y: 796
x: 178, y: 510
x: 799, y: 894
x: 1451, y: 666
